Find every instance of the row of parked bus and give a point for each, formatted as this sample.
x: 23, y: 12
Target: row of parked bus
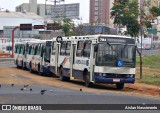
x: 93, y: 59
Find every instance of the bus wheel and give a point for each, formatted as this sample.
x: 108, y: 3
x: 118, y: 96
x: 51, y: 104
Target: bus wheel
x: 17, y: 64
x: 62, y: 78
x: 119, y: 85
x: 23, y: 65
x: 40, y: 70
x: 31, y: 70
x: 87, y: 80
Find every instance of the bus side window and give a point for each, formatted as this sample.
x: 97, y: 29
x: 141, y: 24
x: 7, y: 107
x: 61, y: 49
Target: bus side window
x: 36, y: 52
x: 15, y: 49
x: 20, y: 50
x: 87, y: 49
x: 29, y: 49
x: 80, y: 46
x: 32, y: 50
x: 53, y: 48
x: 38, y: 49
x: 42, y: 50
x: 24, y: 50
x: 68, y: 47
x: 63, y: 47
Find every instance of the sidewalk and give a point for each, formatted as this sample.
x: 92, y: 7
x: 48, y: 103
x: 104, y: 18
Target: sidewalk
x: 6, y: 59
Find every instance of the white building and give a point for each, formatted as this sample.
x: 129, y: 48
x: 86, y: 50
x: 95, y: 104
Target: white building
x: 8, y: 18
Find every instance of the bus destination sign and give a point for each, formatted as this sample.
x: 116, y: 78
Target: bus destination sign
x: 111, y: 40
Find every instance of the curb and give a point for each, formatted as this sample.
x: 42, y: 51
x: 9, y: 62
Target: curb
x: 6, y: 59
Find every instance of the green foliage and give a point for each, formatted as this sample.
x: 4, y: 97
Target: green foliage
x: 154, y: 11
x: 152, y: 61
x: 67, y: 26
x: 126, y: 13
x: 37, y: 37
x: 151, y: 64
x: 151, y: 79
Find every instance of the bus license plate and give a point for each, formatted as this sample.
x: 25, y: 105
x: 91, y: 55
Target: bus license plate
x: 116, y: 80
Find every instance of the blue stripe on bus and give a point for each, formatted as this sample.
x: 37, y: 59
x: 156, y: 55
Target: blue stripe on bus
x: 101, y: 79
x: 46, y: 69
x: 52, y: 69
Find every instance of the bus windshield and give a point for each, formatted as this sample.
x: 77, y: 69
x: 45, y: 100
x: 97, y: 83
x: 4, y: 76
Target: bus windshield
x: 108, y: 54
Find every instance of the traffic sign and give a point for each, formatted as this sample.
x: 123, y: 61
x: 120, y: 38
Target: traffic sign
x: 152, y: 31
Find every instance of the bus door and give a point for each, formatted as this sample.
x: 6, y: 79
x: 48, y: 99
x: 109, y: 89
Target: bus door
x: 42, y: 55
x: 92, y: 61
x: 72, y: 61
x: 57, y: 57
x: 38, y: 55
x: 54, y: 57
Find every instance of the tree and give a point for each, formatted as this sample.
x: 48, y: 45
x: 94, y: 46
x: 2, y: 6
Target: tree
x: 127, y: 13
x: 37, y: 37
x: 67, y: 27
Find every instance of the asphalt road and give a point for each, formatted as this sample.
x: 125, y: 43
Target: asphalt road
x: 15, y: 95
x: 150, y: 52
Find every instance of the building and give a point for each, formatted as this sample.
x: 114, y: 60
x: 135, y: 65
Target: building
x: 11, y: 19
x: 49, y: 11
x: 65, y: 10
x: 100, y: 12
x: 31, y: 7
x: 43, y: 10
x: 145, y: 3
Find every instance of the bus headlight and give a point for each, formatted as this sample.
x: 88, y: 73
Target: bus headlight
x: 104, y: 74
x: 131, y: 76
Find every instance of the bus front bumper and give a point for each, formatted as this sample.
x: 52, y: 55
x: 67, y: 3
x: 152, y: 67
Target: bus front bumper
x: 101, y: 79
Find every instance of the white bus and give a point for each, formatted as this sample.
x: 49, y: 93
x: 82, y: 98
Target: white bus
x: 40, y: 61
x: 33, y: 55
x: 19, y: 52
x: 6, y: 43
x: 95, y: 59
x: 22, y: 54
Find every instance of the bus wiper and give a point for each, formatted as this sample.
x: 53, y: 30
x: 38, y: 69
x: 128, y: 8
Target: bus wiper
x: 110, y: 45
x: 123, y: 49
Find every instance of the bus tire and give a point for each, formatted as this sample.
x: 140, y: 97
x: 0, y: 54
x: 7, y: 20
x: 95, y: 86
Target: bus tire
x: 17, y: 64
x: 23, y: 65
x: 40, y: 70
x: 61, y: 76
x: 31, y: 70
x: 87, y: 79
x: 119, y: 85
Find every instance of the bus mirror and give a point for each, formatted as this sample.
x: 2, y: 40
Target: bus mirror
x: 95, y: 48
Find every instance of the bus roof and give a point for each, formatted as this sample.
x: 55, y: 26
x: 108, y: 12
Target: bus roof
x: 104, y: 35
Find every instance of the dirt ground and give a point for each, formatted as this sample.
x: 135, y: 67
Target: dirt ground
x: 18, y: 76
x: 146, y: 70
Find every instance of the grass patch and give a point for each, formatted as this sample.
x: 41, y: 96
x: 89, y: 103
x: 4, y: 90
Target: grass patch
x: 152, y: 61
x: 150, y: 79
x: 151, y: 69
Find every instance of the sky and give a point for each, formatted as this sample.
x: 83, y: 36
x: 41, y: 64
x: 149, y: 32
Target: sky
x: 84, y: 6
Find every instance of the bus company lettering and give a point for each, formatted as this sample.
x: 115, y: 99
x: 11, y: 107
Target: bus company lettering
x: 6, y: 40
x: 116, y: 40
x: 111, y: 40
x: 84, y: 62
